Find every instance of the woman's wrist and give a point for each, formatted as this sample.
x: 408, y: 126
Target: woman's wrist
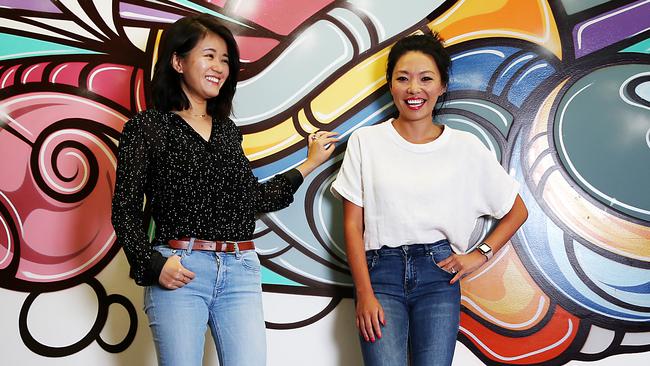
x: 365, y: 293
x: 306, y: 167
x: 479, y: 255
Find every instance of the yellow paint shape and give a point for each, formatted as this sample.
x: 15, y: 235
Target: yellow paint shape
x: 351, y: 88
x: 271, y: 141
x: 154, y: 56
x: 594, y: 224
x: 544, y: 112
x: 344, y: 93
x: 303, y: 121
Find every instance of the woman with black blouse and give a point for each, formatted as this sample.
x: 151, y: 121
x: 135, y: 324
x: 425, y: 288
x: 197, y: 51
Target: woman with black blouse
x: 186, y: 157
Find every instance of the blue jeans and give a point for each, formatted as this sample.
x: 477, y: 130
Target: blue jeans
x: 226, y: 294
x: 421, y: 308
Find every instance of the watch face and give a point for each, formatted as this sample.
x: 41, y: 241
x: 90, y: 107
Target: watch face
x: 484, y: 248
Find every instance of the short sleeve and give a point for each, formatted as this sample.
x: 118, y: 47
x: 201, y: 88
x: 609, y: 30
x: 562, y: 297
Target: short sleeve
x: 498, y: 188
x: 349, y: 183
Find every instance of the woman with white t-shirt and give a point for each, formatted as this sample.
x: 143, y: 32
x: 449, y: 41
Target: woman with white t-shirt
x: 412, y: 192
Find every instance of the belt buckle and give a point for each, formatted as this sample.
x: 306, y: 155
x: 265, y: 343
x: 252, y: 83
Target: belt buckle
x: 234, y: 243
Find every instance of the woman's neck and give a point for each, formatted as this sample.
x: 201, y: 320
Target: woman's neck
x: 198, y: 106
x: 417, y: 132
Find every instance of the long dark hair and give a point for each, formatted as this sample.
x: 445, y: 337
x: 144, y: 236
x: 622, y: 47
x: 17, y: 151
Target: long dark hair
x: 428, y: 44
x: 180, y: 38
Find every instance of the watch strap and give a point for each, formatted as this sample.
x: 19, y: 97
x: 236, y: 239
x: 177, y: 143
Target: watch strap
x: 487, y: 252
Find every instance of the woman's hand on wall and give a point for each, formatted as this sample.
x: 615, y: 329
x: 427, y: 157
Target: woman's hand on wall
x: 321, y: 147
x: 173, y: 275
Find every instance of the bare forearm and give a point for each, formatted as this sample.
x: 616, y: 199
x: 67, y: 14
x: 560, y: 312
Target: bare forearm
x: 358, y: 265
x: 465, y: 264
x: 307, y: 167
x: 508, y: 225
x: 355, y: 248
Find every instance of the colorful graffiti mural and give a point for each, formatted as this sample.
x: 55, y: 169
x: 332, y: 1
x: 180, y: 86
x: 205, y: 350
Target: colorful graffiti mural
x: 558, y: 90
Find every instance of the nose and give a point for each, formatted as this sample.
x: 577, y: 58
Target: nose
x: 413, y: 87
x: 219, y: 67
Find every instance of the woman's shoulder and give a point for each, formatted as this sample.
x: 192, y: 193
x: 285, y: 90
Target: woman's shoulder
x: 463, y: 137
x: 228, y: 123
x: 230, y: 127
x: 151, y: 123
x: 372, y: 131
x: 150, y: 117
x: 467, y: 144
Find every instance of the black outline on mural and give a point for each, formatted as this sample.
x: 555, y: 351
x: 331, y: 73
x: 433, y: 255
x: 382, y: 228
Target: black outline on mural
x: 104, y: 301
x: 567, y: 68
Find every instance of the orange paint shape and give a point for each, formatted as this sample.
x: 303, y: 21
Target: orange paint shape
x: 542, y: 346
x: 474, y: 19
x: 503, y: 293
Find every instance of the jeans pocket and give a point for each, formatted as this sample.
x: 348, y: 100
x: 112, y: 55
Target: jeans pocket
x: 250, y: 260
x: 371, y: 260
x: 440, y: 253
x: 166, y: 251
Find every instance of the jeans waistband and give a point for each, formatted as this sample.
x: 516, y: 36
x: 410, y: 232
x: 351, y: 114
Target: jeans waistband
x: 409, y: 249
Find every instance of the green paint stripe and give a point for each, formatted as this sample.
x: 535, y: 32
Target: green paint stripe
x: 152, y: 230
x: 641, y: 47
x: 14, y: 47
x: 271, y: 278
x: 573, y: 6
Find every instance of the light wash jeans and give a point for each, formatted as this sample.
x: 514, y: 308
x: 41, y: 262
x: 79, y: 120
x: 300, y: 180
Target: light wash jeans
x: 421, y: 308
x: 226, y: 294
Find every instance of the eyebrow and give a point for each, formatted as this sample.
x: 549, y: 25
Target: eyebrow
x: 421, y: 72
x: 210, y: 49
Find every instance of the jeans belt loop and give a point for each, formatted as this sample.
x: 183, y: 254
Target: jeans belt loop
x: 237, y: 252
x: 190, y: 245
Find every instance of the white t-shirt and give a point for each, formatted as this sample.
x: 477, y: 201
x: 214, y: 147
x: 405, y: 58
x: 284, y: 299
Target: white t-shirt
x: 422, y: 193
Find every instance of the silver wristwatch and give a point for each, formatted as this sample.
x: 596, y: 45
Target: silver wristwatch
x: 485, y: 249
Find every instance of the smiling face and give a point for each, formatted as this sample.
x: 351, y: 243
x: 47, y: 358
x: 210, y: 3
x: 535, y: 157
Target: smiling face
x: 204, y: 69
x: 415, y: 86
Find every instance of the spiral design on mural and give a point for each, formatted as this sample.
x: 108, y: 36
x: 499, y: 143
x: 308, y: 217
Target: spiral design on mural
x: 64, y: 155
x: 63, y: 161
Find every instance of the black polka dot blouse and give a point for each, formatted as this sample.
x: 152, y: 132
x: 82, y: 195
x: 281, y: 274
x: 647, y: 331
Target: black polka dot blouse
x: 196, y: 188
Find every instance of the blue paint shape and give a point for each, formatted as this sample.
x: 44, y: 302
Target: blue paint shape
x: 643, y: 288
x: 472, y: 69
x: 530, y: 79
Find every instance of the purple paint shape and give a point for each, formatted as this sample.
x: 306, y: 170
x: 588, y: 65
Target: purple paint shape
x: 146, y: 13
x: 611, y: 27
x: 34, y: 5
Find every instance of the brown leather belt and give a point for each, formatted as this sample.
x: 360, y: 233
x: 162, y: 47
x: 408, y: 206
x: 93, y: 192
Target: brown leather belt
x: 215, y: 246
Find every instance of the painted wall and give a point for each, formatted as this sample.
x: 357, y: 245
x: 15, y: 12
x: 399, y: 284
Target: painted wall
x: 559, y: 90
